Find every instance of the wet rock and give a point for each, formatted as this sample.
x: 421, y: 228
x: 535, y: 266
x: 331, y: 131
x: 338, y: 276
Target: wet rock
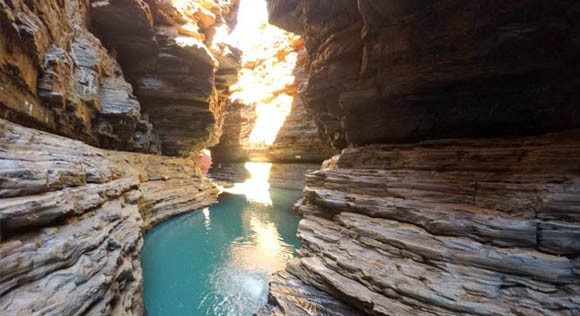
x: 290, y: 296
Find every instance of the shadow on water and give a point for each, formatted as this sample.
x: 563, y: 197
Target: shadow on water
x: 218, y: 261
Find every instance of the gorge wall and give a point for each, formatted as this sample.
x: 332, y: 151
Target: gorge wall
x: 120, y: 83
x: 263, y: 83
x: 72, y: 218
x: 58, y: 76
x: 457, y: 193
x: 414, y: 70
x: 458, y: 190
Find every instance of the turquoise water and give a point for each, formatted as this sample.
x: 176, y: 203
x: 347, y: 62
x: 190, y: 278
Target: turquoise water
x: 218, y: 261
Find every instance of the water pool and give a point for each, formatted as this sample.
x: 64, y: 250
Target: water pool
x: 218, y: 261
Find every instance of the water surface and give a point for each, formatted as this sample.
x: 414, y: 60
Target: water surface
x: 218, y: 261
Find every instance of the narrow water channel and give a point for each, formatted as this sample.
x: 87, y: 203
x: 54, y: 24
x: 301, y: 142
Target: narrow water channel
x: 218, y: 261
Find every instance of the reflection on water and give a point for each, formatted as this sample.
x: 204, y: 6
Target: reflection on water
x: 218, y: 261
x: 256, y: 188
x: 265, y: 249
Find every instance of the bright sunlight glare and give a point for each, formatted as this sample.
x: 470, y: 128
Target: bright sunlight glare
x: 257, y: 187
x: 267, y: 76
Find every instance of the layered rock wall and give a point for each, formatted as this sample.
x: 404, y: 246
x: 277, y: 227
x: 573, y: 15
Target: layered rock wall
x: 273, y: 72
x: 299, y: 139
x: 72, y: 217
x: 397, y: 71
x: 234, y: 144
x: 176, y: 57
x: 56, y: 76
x: 456, y: 225
x: 483, y: 227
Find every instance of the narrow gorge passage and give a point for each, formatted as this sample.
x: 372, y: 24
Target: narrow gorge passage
x: 219, y: 260
x: 429, y: 151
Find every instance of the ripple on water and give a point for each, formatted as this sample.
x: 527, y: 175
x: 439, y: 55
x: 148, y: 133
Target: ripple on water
x: 218, y: 261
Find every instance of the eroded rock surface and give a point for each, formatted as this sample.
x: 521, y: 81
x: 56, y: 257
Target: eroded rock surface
x: 451, y: 227
x: 298, y: 140
x: 290, y: 296
x: 468, y: 226
x: 56, y: 76
x: 398, y: 71
x: 175, y: 55
x: 234, y: 144
x: 72, y: 217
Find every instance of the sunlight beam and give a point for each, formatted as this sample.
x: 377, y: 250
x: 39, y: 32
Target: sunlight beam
x: 266, y: 80
x: 257, y: 187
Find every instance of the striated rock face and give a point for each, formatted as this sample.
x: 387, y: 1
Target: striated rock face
x: 397, y: 71
x: 56, y: 76
x: 478, y: 227
x: 72, y: 217
x: 234, y: 144
x: 298, y: 139
x: 399, y: 225
x: 290, y: 296
x: 175, y: 56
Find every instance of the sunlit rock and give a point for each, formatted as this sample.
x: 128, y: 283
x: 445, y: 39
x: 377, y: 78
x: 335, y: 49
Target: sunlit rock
x: 273, y: 68
x: 175, y: 55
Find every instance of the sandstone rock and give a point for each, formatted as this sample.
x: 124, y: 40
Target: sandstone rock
x: 72, y: 218
x: 180, y: 71
x: 298, y: 140
x: 57, y: 76
x: 400, y: 71
x: 290, y: 296
x: 448, y: 227
x: 234, y: 144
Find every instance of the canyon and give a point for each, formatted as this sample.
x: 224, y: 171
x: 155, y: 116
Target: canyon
x: 449, y: 131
